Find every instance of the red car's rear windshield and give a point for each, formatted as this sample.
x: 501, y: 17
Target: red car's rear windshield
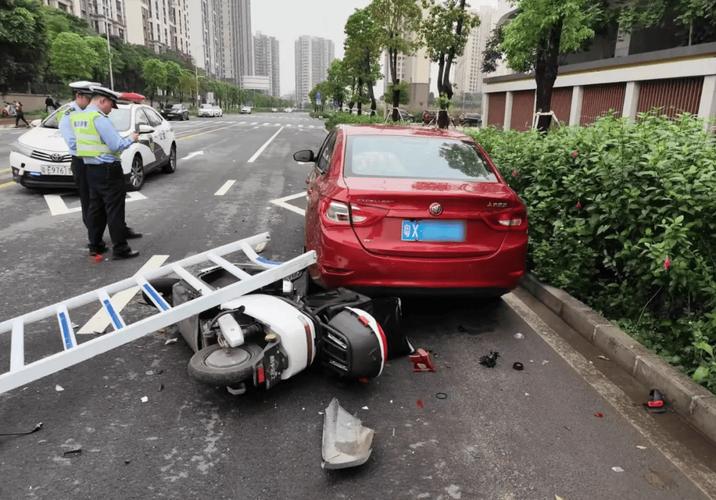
x: 414, y: 158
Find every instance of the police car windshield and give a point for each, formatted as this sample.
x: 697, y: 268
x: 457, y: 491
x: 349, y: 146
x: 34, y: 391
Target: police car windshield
x: 121, y: 119
x: 53, y: 121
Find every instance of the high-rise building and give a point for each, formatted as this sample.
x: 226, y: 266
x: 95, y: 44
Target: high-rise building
x: 415, y: 71
x: 200, y: 33
x: 102, y: 15
x: 73, y: 7
x: 313, y: 57
x: 242, y: 42
x: 266, y: 61
x: 468, y: 71
x: 159, y: 24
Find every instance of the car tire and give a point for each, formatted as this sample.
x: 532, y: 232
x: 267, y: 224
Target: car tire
x: 171, y: 165
x: 137, y: 175
x: 211, y: 365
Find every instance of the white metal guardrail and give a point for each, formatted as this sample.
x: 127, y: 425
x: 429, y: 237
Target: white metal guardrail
x: 123, y: 333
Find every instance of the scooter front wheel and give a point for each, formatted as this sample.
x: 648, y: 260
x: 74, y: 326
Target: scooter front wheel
x: 218, y: 366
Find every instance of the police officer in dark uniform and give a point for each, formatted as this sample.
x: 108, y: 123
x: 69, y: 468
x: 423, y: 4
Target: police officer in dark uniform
x: 100, y: 146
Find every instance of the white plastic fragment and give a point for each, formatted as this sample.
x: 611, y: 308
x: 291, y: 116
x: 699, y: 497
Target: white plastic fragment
x: 617, y: 469
x: 364, y: 408
x: 602, y: 356
x: 640, y: 447
x: 519, y: 336
x: 144, y: 399
x: 346, y: 442
x: 171, y: 341
x: 59, y: 388
x: 544, y: 362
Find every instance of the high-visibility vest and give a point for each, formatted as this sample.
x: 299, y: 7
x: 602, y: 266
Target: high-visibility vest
x: 89, y: 142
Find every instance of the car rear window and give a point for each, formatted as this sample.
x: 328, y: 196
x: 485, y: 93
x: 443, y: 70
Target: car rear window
x: 415, y: 158
x: 120, y: 118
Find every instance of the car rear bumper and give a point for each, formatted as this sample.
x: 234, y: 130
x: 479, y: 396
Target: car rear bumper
x: 27, y: 172
x: 342, y: 261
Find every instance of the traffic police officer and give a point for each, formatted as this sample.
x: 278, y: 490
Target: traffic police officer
x: 100, y: 145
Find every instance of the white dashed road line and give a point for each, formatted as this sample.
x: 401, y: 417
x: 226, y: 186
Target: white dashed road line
x: 100, y: 321
x: 262, y: 148
x: 58, y: 206
x: 224, y: 188
x: 192, y: 155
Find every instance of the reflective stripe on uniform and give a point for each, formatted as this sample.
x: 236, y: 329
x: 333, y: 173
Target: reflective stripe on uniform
x: 89, y: 142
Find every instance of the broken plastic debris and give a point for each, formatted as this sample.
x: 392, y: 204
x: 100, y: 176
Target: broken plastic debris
x: 149, y: 372
x: 419, y: 403
x: 37, y: 427
x: 144, y: 399
x: 617, y: 469
x: 171, y: 341
x: 599, y: 414
x: 640, y: 447
x: 601, y: 356
x: 656, y: 403
x: 518, y: 366
x: 364, y: 408
x: 422, y: 362
x: 527, y: 393
x: 73, y: 452
x: 544, y: 362
x: 346, y: 442
x: 519, y: 336
x: 490, y: 360
x: 59, y: 388
x: 441, y: 395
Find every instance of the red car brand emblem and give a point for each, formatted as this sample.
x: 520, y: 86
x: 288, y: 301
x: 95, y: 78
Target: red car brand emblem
x: 435, y: 209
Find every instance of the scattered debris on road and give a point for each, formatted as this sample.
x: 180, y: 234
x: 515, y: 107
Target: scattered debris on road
x: 171, y: 341
x: 656, y: 403
x: 422, y: 362
x: 518, y: 366
x: 617, y: 469
x: 346, y: 442
x: 640, y: 447
x: 603, y: 357
x: 37, y: 427
x: 419, y: 403
x: 519, y: 336
x: 73, y: 452
x: 441, y: 395
x: 59, y: 388
x: 490, y: 360
x: 599, y: 414
x: 144, y: 399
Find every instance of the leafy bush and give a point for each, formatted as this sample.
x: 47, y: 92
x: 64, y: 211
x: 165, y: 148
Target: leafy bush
x: 622, y: 216
x: 337, y: 118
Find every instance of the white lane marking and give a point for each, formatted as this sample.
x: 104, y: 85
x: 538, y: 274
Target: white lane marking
x: 262, y: 148
x: 281, y: 202
x: 288, y: 125
x: 700, y: 475
x: 300, y: 125
x: 192, y: 155
x: 224, y: 188
x: 100, y: 321
x: 266, y: 124
x: 253, y: 123
x: 58, y: 206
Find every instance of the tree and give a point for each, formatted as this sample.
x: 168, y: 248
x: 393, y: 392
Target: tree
x: 362, y: 51
x: 154, y: 73
x: 187, y: 84
x: 71, y: 58
x: 402, y: 90
x: 100, y: 70
x: 445, y: 32
x: 337, y: 82
x: 541, y: 31
x: 23, y: 43
x: 174, y: 73
x: 397, y: 22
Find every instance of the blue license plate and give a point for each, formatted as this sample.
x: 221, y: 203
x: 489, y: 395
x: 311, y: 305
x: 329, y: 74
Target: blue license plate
x: 432, y: 230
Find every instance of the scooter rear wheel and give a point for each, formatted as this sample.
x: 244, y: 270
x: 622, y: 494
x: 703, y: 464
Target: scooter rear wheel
x: 217, y: 366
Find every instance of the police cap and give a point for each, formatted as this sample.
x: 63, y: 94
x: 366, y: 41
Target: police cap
x: 83, y: 87
x: 98, y: 90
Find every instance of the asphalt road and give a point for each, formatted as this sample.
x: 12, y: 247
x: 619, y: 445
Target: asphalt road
x: 500, y: 433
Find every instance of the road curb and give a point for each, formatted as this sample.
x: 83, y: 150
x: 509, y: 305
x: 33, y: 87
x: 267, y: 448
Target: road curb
x: 689, y: 399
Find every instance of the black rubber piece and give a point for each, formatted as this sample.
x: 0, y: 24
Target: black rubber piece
x: 199, y: 370
x: 441, y: 395
x: 164, y: 287
x: 518, y: 366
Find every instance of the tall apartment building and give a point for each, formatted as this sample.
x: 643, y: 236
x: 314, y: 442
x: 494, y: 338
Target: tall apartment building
x: 267, y: 62
x: 159, y: 24
x: 101, y: 15
x: 415, y: 71
x: 242, y: 42
x: 468, y: 72
x: 313, y: 57
x: 73, y: 7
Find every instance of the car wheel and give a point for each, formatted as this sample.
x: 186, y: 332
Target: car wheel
x: 171, y: 165
x: 217, y: 366
x: 136, y: 173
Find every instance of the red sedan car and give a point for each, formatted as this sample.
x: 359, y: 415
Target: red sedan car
x: 407, y: 209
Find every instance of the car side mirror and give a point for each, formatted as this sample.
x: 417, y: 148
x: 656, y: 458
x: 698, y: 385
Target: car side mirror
x: 305, y: 156
x: 145, y: 129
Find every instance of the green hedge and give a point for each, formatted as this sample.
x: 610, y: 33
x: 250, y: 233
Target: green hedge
x: 332, y: 119
x: 623, y: 216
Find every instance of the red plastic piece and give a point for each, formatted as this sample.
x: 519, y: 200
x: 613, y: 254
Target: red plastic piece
x: 98, y: 258
x: 599, y: 414
x: 659, y: 403
x: 422, y: 362
x: 420, y: 403
x: 260, y: 376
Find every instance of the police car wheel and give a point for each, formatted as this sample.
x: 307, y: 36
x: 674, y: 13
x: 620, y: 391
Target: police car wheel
x: 136, y: 173
x: 171, y: 164
x: 216, y: 366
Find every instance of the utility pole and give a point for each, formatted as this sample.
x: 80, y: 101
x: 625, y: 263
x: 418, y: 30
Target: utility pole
x: 109, y: 55
x: 196, y: 75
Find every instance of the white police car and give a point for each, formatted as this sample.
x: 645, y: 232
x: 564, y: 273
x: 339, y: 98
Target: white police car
x: 40, y: 158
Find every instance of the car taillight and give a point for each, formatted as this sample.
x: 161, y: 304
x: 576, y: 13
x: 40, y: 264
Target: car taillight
x: 514, y: 219
x: 337, y: 212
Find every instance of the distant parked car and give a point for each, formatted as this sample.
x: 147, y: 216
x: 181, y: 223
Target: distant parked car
x: 218, y: 111
x: 245, y: 110
x: 288, y: 110
x: 471, y: 120
x: 175, y: 111
x: 405, y: 116
x: 274, y: 110
x: 206, y: 110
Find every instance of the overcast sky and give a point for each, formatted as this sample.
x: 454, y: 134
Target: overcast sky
x: 289, y: 19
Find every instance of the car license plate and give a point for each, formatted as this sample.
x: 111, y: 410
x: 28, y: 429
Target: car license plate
x: 433, y: 230
x: 55, y: 170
